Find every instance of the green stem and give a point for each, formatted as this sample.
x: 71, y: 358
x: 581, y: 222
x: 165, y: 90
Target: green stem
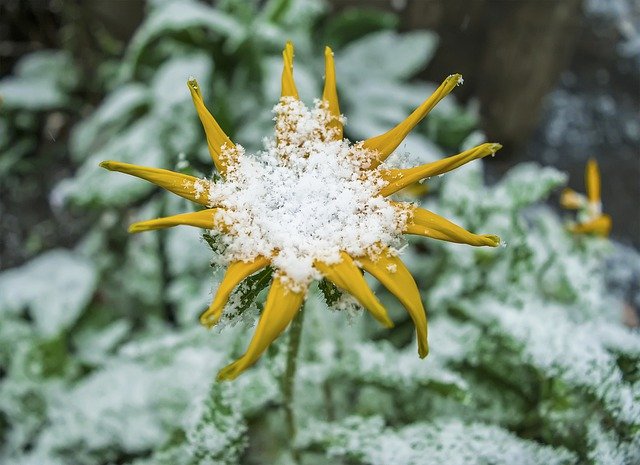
x: 327, y: 392
x: 288, y: 381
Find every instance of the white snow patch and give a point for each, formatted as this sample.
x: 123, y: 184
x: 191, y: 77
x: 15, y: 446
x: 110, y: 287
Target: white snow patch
x: 305, y: 197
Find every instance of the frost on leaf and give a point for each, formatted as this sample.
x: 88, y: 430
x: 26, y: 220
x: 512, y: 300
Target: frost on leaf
x: 219, y: 434
x: 369, y: 441
x: 55, y: 288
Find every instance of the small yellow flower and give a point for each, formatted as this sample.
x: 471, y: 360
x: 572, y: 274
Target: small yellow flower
x: 311, y: 205
x: 591, y: 218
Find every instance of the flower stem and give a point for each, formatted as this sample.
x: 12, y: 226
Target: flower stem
x: 288, y: 381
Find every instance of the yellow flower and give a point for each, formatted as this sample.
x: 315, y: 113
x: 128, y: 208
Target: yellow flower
x: 312, y: 206
x: 592, y: 220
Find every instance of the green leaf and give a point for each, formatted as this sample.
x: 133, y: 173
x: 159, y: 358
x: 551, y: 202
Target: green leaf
x: 115, y: 113
x: 175, y: 17
x: 169, y: 84
x: 220, y: 434
x: 215, y: 242
x: 42, y: 81
x: 48, y: 358
x: 528, y: 183
x: 10, y: 162
x: 30, y: 94
x: 330, y: 292
x: 352, y: 24
x: 450, y: 130
x: 138, y: 144
x: 249, y: 289
x: 450, y: 440
x: 55, y: 288
x: 274, y: 10
x: 386, y: 55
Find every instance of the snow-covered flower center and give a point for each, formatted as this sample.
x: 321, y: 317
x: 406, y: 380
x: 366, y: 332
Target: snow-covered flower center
x: 304, y: 198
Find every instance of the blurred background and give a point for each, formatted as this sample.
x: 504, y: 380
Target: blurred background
x: 535, y: 351
x: 554, y: 81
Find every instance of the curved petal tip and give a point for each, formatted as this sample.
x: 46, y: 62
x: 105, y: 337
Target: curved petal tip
x: 492, y: 240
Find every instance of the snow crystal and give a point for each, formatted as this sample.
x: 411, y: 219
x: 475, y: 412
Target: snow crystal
x: 305, y: 197
x: 200, y: 186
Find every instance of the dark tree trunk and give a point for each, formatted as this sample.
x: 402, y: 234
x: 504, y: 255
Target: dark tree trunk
x: 511, y: 53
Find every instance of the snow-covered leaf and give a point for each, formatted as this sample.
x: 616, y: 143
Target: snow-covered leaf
x: 386, y: 55
x: 173, y: 17
x: 41, y: 81
x: 114, y: 113
x: 369, y: 441
x: 55, y: 287
x: 138, y: 144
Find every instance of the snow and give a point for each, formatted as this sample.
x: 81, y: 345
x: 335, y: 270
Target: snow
x: 305, y: 197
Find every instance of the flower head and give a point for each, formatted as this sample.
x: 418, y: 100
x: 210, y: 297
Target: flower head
x: 311, y: 205
x: 591, y: 220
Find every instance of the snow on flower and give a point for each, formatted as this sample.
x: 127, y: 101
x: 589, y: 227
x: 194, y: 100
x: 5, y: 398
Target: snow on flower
x: 311, y: 205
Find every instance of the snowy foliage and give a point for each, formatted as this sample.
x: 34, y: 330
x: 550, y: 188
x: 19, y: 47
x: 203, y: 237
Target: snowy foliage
x: 368, y: 441
x: 102, y: 358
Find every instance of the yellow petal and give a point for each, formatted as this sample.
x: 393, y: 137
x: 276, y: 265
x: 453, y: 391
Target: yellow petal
x: 592, y: 176
x: 330, y: 93
x: 235, y: 274
x: 416, y: 190
x: 280, y: 309
x: 189, y: 187
x: 426, y: 223
x: 288, y: 84
x: 394, y: 275
x: 399, y: 179
x: 216, y: 138
x: 600, y: 226
x: 200, y: 219
x: 386, y: 143
x: 347, y: 276
x: 571, y: 200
